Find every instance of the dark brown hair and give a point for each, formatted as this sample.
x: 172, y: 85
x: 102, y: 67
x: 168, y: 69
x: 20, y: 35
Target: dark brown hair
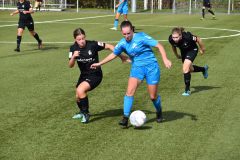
x: 127, y: 24
x: 78, y: 31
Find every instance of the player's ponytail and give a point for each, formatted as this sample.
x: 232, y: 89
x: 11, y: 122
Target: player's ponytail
x: 178, y: 30
x: 78, y: 31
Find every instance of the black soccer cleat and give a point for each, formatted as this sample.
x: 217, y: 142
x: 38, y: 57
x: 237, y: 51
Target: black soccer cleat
x: 159, y: 116
x: 124, y: 122
x: 40, y: 44
x: 85, y: 117
x: 17, y: 50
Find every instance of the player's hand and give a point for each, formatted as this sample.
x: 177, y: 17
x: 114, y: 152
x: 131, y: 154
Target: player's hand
x: 167, y: 63
x: 95, y: 65
x: 25, y: 12
x: 76, y: 54
x: 125, y: 59
x: 202, y: 50
x: 11, y: 14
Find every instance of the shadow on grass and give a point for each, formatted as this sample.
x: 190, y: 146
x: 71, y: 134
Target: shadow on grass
x: 29, y: 51
x: 105, y: 114
x: 167, y: 116
x: 203, y: 88
x: 173, y: 116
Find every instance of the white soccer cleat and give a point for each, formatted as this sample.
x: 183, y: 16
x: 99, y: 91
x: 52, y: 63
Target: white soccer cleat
x: 113, y: 28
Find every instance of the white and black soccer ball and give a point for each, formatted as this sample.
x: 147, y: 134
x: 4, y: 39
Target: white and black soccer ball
x: 138, y: 118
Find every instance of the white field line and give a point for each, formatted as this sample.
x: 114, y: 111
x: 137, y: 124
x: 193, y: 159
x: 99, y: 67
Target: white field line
x: 59, y: 20
x: 162, y: 40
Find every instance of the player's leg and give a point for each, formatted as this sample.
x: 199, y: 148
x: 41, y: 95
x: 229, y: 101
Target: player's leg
x: 125, y: 13
x: 203, y: 12
x: 116, y: 20
x: 133, y: 84
x: 187, y: 64
x: 153, y: 79
x: 34, y: 34
x: 211, y: 11
x: 82, y: 101
x: 19, y: 38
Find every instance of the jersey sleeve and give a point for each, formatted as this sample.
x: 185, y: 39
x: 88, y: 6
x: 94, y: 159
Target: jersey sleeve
x: 100, y: 45
x: 191, y: 37
x: 71, y: 51
x: 148, y: 40
x: 118, y: 49
x: 28, y: 5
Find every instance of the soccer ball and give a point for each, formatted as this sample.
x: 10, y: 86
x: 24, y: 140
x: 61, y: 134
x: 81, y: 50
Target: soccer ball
x: 138, y: 118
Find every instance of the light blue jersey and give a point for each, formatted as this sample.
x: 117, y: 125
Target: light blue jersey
x: 123, y: 7
x: 138, y: 49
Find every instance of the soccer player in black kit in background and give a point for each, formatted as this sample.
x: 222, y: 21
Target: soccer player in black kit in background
x: 187, y: 43
x: 207, y: 4
x: 24, y: 9
x: 85, y: 52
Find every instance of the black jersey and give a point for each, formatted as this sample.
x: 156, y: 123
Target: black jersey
x: 24, y: 6
x: 88, y: 55
x: 186, y: 44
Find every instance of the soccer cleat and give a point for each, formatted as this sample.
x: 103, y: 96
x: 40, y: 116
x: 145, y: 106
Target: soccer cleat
x: 85, y: 118
x: 213, y: 17
x: 40, y: 44
x: 159, y: 116
x: 201, y: 18
x: 78, y: 116
x: 114, y: 28
x: 186, y: 93
x: 17, y: 50
x: 124, y: 122
x: 205, y: 73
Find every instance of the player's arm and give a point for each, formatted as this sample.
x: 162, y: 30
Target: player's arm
x: 122, y: 57
x: 72, y: 58
x: 162, y: 51
x: 174, y: 49
x: 105, y: 60
x: 15, y: 12
x: 120, y: 2
x: 201, y: 45
x: 30, y: 11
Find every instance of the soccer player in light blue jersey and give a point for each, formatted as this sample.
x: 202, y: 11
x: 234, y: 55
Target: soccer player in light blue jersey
x: 122, y: 8
x: 144, y: 66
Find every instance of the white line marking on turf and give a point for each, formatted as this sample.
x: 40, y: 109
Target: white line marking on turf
x: 59, y: 20
x: 62, y: 21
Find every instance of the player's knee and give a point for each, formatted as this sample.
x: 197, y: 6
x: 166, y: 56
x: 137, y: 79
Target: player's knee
x: 186, y: 69
x: 153, y: 97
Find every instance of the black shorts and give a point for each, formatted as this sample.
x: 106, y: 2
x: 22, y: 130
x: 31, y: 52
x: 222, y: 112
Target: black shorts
x: 207, y: 5
x: 93, y: 79
x: 191, y: 55
x: 29, y: 25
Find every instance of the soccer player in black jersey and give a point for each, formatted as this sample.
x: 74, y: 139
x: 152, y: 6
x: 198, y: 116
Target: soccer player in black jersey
x: 207, y: 4
x: 187, y: 43
x: 24, y: 9
x: 85, y: 52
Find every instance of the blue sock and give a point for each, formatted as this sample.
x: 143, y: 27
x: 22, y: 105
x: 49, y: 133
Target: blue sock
x: 128, y: 102
x: 157, y: 103
x: 116, y: 23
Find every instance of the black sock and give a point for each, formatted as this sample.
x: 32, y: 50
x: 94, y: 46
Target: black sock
x: 198, y: 69
x: 19, y: 39
x: 203, y: 13
x: 83, y: 105
x: 187, y: 79
x: 210, y: 11
x: 37, y: 37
